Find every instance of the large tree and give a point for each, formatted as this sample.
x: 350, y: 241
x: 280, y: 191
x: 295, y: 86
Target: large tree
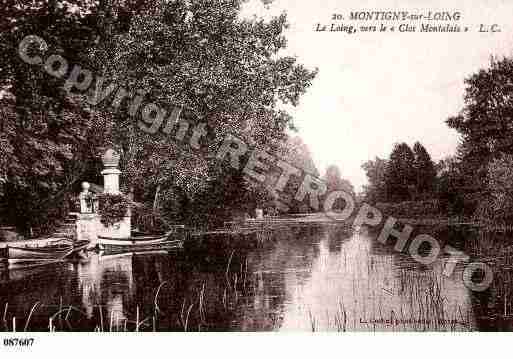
x: 335, y: 182
x: 297, y: 154
x: 499, y: 206
x: 375, y: 190
x: 425, y: 172
x: 222, y: 70
x: 400, y: 174
x: 486, y: 121
x: 47, y: 137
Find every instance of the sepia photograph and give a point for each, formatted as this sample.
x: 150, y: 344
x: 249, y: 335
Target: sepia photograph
x: 254, y: 166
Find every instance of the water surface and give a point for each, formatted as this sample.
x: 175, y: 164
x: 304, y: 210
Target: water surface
x: 311, y: 279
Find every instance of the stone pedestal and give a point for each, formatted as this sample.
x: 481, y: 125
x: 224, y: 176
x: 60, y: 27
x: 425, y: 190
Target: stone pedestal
x: 111, y: 175
x: 87, y: 202
x: 89, y: 226
x: 111, y: 180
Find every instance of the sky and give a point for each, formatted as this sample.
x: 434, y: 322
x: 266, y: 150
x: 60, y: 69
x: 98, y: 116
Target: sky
x: 375, y: 89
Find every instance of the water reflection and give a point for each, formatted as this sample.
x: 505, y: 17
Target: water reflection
x: 322, y: 278
x: 106, y: 283
x: 365, y: 287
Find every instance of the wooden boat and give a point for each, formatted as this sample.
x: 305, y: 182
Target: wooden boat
x: 37, y: 243
x: 140, y: 242
x: 18, y: 254
x: 133, y: 241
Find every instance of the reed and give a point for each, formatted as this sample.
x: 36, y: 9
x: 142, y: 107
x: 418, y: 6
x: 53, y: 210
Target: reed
x: 4, y: 318
x: 111, y: 322
x: 101, y: 317
x: 30, y: 316
x: 155, y: 300
x: 182, y: 320
x: 228, y: 266
x: 137, y: 323
x: 201, y: 311
x: 60, y: 310
x: 187, y: 318
x: 313, y: 321
x: 68, y: 313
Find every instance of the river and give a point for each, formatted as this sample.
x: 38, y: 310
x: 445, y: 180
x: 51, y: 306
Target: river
x: 311, y: 279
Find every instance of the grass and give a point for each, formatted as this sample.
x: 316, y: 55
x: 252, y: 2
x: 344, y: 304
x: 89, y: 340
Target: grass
x: 424, y: 309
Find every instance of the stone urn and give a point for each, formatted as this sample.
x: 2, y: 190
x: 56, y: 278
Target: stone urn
x: 110, y: 159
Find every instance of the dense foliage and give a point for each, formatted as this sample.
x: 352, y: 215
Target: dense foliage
x: 335, y: 182
x: 47, y: 138
x: 112, y: 208
x: 375, y: 190
x: 486, y: 127
x: 485, y: 122
x: 497, y: 206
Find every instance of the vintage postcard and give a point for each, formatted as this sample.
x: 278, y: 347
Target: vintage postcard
x: 254, y: 166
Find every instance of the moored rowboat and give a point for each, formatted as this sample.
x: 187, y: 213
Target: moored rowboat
x: 166, y: 245
x: 29, y: 254
x: 168, y: 240
x: 132, y: 241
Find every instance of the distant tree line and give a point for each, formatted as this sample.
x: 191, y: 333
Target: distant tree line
x: 407, y: 175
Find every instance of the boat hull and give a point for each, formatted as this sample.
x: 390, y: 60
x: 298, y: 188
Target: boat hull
x: 132, y: 241
x: 37, y: 243
x: 167, y: 245
x: 39, y: 253
x: 34, y: 256
x: 139, y: 243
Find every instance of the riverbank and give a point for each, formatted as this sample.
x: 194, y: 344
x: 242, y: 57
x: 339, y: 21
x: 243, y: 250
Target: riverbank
x: 450, y: 222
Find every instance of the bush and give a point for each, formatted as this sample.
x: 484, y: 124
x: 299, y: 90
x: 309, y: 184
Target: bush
x: 112, y: 208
